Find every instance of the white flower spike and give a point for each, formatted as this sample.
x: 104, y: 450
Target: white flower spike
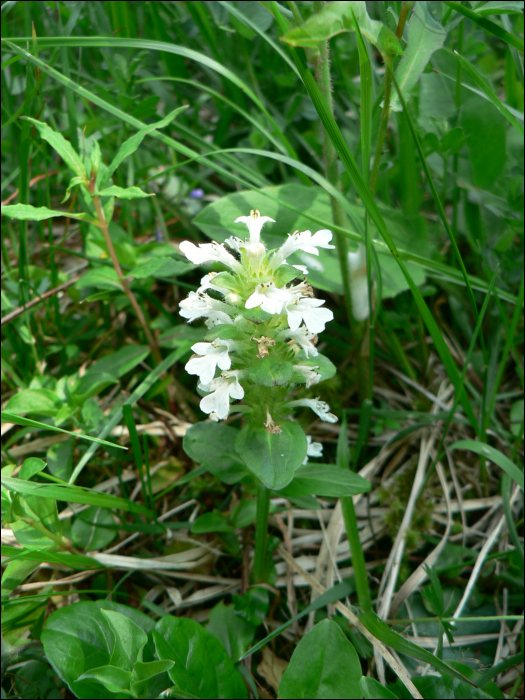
x: 256, y: 353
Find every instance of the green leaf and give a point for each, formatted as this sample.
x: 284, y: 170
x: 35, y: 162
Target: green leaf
x: 272, y: 458
x: 213, y: 446
x: 323, y: 665
x: 486, y: 24
x: 202, y: 666
x: 124, y: 193
x: 253, y: 605
x: 18, y: 420
x: 114, y: 679
x: 500, y: 7
x: 30, y: 467
x: 43, y: 402
x: 487, y: 156
x: 108, y: 371
x: 442, y: 687
x: 270, y: 371
x: 59, y: 459
x: 73, y: 494
x: 233, y: 631
x: 74, y: 561
x: 130, y: 640
x: 373, y: 690
x: 26, y: 212
x: 130, y: 145
x: 494, y: 455
x: 161, y: 267
x: 489, y: 92
x: 35, y: 521
x: 325, y: 480
x: 211, y: 522
x: 336, y: 18
x: 77, y: 639
x: 64, y: 149
x: 100, y: 278
x: 150, y: 678
x: 425, y: 35
x: 86, y: 533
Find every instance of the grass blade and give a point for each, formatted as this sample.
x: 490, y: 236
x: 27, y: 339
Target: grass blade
x: 487, y: 25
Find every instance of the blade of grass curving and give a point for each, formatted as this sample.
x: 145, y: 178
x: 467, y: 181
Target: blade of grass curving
x: 489, y: 92
x: 73, y: 494
x: 487, y: 25
x: 494, y: 455
x: 152, y: 45
x: 368, y: 200
x: 439, y: 206
x: 383, y: 632
x: 21, y: 420
x: 135, y: 396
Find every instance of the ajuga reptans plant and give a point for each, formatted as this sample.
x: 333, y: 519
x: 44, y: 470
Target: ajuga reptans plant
x: 263, y: 326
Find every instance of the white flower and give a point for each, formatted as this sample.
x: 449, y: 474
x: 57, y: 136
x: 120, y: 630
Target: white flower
x: 213, y: 355
x: 303, y: 338
x: 234, y: 243
x: 314, y: 449
x: 269, y: 297
x: 209, y: 252
x: 311, y: 376
x: 254, y: 222
x: 206, y: 283
x: 199, y: 305
x: 320, y: 407
x: 303, y: 240
x: 222, y: 388
x: 302, y: 268
x: 305, y: 309
x: 358, y: 283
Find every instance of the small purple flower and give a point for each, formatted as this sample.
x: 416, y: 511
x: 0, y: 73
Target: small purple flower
x: 197, y: 194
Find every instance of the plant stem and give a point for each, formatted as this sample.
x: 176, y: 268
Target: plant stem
x: 123, y: 281
x: 385, y: 114
x: 358, y: 558
x: 322, y: 76
x: 261, y: 533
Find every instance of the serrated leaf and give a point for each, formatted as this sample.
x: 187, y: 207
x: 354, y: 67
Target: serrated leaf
x: 161, y: 267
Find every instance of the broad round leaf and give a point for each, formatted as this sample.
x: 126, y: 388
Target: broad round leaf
x: 272, y: 458
x: 323, y: 665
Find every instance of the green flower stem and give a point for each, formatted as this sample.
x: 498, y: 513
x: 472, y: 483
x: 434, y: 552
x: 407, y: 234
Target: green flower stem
x: 261, y: 533
x: 358, y: 559
x: 124, y: 282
